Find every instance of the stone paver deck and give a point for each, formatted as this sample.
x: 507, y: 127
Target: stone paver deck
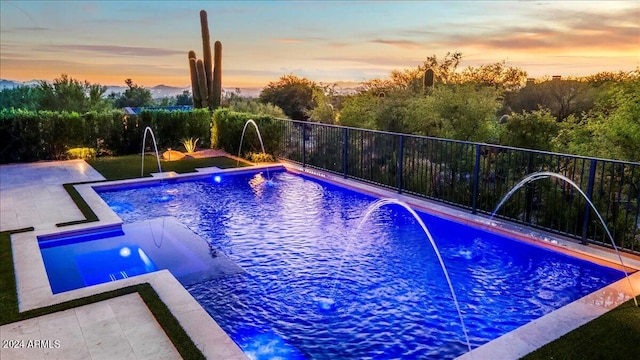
x: 120, y: 328
x: 32, y: 194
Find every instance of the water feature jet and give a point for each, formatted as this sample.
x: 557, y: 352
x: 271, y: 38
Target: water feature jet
x: 155, y: 146
x: 250, y: 121
x: 547, y: 174
x: 328, y: 303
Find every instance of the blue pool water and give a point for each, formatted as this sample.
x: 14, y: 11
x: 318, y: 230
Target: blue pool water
x: 296, y: 241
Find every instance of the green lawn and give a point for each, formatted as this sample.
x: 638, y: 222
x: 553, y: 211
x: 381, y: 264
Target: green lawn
x: 614, y: 335
x: 127, y: 167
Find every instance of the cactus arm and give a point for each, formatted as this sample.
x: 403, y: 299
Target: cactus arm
x: 216, y: 93
x: 206, y: 50
x: 195, y: 91
x: 202, y: 84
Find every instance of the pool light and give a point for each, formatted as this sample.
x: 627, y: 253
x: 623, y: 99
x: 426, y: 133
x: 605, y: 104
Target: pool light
x: 125, y: 252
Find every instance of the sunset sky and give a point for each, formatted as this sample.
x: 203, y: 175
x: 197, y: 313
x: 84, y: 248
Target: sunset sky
x: 107, y: 42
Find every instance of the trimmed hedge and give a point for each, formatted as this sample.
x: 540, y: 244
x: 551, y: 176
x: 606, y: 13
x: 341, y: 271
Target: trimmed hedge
x: 227, y: 131
x: 27, y: 136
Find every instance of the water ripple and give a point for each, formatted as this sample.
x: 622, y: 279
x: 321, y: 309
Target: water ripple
x: 297, y: 242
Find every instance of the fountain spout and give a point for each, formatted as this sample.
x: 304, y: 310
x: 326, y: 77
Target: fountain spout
x: 250, y: 121
x: 155, y: 146
x: 547, y: 174
x: 328, y: 303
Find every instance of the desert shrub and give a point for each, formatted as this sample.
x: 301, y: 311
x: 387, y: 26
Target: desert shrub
x: 260, y: 157
x: 81, y: 153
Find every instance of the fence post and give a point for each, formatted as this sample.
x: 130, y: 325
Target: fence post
x: 399, y: 163
x: 304, y: 144
x: 345, y: 153
x: 587, y: 207
x: 476, y: 180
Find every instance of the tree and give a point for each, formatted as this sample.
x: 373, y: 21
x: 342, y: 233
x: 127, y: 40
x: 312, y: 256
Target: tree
x: 97, y: 100
x: 184, y: 99
x: 497, y: 75
x: 391, y: 111
x: 466, y: 113
x: 411, y: 80
x: 323, y: 111
x: 561, y: 97
x: 407, y: 79
x: 134, y: 96
x: 622, y: 130
x: 531, y: 130
x: 443, y: 70
x: 294, y: 95
x: 611, y: 129
x: 21, y: 97
x: 569, y: 97
x: 422, y: 118
x: 604, y: 77
x: 359, y: 110
x: 68, y: 94
x: 253, y: 106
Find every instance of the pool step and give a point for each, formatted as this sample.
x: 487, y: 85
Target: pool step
x: 118, y: 276
x: 164, y: 174
x: 208, y: 170
x: 75, y: 236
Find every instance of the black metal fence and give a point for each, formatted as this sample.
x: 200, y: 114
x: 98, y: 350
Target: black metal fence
x: 477, y: 176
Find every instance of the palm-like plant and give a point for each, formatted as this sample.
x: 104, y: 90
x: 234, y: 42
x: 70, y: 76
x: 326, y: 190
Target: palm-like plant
x: 190, y: 144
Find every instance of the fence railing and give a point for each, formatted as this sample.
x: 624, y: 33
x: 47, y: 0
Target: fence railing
x: 476, y: 176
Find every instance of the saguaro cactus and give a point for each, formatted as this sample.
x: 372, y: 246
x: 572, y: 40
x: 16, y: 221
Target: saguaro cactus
x: 210, y: 75
x: 428, y: 80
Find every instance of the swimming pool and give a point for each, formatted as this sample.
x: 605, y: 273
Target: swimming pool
x: 295, y: 240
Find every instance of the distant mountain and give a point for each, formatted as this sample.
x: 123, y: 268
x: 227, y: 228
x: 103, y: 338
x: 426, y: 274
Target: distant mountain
x: 161, y: 91
x: 157, y: 92
x: 8, y: 84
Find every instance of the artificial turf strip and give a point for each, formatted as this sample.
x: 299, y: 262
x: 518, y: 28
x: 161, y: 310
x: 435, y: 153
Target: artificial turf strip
x: 85, y: 209
x: 128, y: 166
x: 9, y: 302
x: 8, y: 292
x: 171, y: 325
x: 614, y: 335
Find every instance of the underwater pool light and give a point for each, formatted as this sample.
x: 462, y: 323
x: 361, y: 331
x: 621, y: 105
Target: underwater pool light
x: 125, y: 252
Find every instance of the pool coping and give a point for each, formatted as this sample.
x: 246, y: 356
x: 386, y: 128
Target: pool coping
x: 34, y: 290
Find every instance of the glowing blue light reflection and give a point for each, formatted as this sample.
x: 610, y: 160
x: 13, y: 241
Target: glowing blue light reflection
x: 125, y: 252
x: 259, y: 346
